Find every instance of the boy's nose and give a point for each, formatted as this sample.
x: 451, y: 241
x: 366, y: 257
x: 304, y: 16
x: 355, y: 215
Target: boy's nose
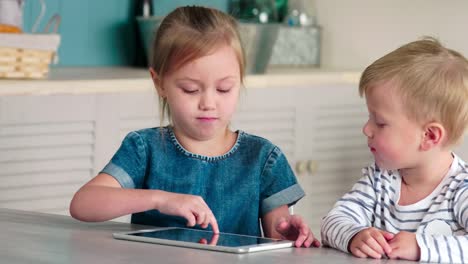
x: 366, y: 130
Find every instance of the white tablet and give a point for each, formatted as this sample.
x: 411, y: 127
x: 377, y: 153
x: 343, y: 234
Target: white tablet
x: 192, y: 238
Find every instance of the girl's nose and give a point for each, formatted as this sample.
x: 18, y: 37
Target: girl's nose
x: 207, y: 101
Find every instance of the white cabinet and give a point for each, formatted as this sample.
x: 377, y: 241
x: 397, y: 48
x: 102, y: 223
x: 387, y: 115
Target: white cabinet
x: 46, y: 150
x: 332, y: 147
x: 319, y: 129
x: 51, y: 144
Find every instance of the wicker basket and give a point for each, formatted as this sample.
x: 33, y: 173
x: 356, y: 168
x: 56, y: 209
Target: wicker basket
x: 27, y: 56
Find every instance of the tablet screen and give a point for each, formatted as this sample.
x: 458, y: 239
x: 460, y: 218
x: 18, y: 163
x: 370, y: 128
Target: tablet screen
x: 200, y: 236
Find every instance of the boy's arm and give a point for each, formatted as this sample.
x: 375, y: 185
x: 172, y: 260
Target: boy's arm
x: 441, y: 248
x: 351, y: 214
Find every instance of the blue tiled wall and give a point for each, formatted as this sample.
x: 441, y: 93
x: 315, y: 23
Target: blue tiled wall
x: 100, y: 32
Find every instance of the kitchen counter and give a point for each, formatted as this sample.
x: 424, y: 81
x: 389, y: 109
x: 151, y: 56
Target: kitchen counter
x: 125, y: 79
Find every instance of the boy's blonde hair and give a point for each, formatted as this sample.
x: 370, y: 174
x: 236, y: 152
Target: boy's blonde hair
x: 191, y: 32
x: 432, y: 81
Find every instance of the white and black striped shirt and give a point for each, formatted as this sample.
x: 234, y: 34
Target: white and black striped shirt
x: 440, y: 220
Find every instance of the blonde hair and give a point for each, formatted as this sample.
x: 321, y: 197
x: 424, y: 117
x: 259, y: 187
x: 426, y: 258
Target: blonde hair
x: 431, y: 80
x: 188, y: 33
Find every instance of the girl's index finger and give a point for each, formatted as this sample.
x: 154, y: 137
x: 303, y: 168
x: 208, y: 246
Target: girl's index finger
x: 214, y: 225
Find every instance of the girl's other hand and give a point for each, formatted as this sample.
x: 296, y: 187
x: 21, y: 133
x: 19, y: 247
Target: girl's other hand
x: 191, y: 207
x: 294, y: 228
x: 371, y: 242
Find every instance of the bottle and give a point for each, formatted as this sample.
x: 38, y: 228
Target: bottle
x: 255, y: 11
x: 243, y: 10
x: 142, y: 8
x: 300, y: 14
x: 281, y: 9
x: 267, y: 12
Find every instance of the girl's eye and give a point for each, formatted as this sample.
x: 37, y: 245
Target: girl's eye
x: 189, y: 90
x: 224, y: 90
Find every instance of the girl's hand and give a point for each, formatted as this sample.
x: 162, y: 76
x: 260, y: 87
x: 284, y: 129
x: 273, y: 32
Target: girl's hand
x: 212, y: 242
x: 191, y: 207
x: 371, y: 242
x: 404, y: 246
x: 294, y: 228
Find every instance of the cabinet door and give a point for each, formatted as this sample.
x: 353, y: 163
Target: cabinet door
x: 269, y: 113
x: 331, y: 149
x: 46, y: 150
x: 117, y: 115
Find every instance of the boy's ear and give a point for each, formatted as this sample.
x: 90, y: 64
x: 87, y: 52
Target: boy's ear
x: 434, y: 134
x: 157, y: 83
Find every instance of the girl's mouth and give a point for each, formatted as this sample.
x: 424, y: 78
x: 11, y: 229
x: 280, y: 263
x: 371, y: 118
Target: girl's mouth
x: 207, y: 119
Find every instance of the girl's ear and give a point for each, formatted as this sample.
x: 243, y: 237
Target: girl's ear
x: 157, y: 83
x: 434, y: 135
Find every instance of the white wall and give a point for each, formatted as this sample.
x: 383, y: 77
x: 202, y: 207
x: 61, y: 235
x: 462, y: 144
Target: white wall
x: 357, y: 32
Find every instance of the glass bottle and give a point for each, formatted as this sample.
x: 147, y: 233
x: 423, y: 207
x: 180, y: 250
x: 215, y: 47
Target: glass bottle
x: 141, y: 8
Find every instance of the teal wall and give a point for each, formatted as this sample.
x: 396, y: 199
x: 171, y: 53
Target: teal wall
x: 100, y: 32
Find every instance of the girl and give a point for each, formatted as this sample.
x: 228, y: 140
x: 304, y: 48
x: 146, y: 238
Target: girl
x: 197, y: 172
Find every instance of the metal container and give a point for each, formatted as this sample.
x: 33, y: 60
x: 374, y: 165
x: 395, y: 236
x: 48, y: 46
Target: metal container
x: 297, y: 46
x: 258, y: 41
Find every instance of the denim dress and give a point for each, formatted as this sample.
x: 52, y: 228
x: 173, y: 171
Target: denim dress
x: 241, y: 186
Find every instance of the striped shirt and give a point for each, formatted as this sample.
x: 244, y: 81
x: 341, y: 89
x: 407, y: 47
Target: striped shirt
x: 440, y: 220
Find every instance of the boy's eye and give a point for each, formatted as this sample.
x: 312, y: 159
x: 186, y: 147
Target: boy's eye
x: 380, y: 124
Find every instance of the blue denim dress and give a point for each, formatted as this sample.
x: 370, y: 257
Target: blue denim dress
x: 240, y: 186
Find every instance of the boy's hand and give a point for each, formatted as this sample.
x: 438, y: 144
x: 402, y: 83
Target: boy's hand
x: 404, y: 246
x: 371, y: 242
x: 191, y: 207
x: 295, y: 229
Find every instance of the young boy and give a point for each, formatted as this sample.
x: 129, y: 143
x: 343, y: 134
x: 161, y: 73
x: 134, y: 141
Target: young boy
x: 412, y: 203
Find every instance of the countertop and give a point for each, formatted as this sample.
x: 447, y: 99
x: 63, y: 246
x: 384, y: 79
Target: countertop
x: 30, y: 237
x: 124, y: 79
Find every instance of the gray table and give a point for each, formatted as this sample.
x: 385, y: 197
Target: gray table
x: 30, y: 237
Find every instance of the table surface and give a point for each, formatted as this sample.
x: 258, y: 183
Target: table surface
x: 31, y: 237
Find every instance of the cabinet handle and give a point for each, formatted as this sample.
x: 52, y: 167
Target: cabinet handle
x: 312, y: 166
x: 301, y: 167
